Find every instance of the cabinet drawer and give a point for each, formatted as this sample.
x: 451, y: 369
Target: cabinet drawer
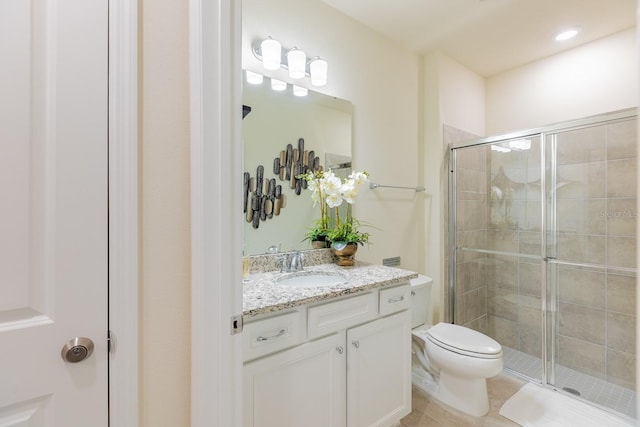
x: 272, y: 334
x: 395, y: 299
x: 334, y: 316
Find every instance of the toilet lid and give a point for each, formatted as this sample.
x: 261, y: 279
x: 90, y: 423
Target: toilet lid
x: 463, y: 340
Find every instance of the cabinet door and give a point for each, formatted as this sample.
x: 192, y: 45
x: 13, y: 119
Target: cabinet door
x: 379, y: 371
x: 303, y: 386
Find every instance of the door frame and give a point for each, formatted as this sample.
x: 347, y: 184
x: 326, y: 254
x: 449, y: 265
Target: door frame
x: 216, y: 252
x: 216, y: 215
x: 123, y: 213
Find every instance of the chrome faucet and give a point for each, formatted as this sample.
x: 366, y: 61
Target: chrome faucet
x: 292, y: 262
x: 296, y: 261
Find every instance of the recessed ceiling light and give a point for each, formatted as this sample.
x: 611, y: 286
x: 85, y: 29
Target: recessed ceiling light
x: 567, y: 34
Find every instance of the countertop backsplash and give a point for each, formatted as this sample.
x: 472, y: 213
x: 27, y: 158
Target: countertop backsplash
x: 272, y: 262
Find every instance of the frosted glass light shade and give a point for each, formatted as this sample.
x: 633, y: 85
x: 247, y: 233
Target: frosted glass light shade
x: 318, y: 68
x: 297, y: 62
x: 300, y: 91
x: 271, y: 53
x: 278, y: 85
x: 254, y: 78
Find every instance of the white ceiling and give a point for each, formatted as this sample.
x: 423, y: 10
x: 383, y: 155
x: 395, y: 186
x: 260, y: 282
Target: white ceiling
x: 490, y: 36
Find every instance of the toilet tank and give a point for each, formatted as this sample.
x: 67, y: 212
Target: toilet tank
x: 420, y: 300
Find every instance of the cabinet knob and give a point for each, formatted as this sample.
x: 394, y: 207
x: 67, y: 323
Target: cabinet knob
x: 356, y: 344
x: 339, y: 349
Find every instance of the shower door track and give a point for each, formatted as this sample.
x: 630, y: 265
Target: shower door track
x: 550, y: 260
x: 611, y: 117
x: 501, y: 253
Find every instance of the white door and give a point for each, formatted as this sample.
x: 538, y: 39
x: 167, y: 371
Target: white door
x: 53, y: 211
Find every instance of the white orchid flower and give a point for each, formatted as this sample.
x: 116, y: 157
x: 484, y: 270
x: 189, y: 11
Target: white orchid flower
x: 334, y: 200
x: 315, y: 196
x: 332, y: 185
x: 349, y: 194
x: 349, y: 183
x: 313, y: 186
x: 359, y: 178
x: 349, y: 190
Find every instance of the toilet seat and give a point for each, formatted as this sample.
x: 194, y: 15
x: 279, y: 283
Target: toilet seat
x: 463, y: 340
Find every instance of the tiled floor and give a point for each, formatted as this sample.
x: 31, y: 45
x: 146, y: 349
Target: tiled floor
x: 590, y: 388
x: 428, y: 412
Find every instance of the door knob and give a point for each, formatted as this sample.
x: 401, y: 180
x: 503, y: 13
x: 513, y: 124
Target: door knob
x: 77, y: 349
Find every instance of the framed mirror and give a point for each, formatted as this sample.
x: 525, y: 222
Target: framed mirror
x: 273, y: 121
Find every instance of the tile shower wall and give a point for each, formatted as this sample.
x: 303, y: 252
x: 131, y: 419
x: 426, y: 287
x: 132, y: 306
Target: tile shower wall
x: 515, y: 226
x: 471, y: 222
x: 451, y: 137
x: 499, y: 208
x: 596, y: 224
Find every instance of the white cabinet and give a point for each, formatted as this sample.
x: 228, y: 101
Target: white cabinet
x: 351, y: 367
x: 303, y: 386
x: 379, y: 371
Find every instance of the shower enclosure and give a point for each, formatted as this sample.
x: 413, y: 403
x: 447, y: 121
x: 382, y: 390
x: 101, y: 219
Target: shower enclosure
x: 543, y: 253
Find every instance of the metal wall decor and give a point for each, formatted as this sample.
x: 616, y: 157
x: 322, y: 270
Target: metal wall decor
x: 263, y: 198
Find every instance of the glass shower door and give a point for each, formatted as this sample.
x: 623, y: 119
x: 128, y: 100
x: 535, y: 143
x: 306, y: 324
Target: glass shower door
x: 591, y: 263
x: 543, y: 253
x: 499, y: 252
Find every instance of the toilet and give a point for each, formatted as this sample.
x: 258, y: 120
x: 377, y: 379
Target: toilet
x: 450, y: 362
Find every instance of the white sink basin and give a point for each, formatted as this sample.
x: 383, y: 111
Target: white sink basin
x: 311, y: 280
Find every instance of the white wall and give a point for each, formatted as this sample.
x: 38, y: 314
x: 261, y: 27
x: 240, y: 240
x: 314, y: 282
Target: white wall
x: 381, y: 80
x: 453, y: 96
x: 462, y: 96
x: 165, y: 260
x: 595, y: 78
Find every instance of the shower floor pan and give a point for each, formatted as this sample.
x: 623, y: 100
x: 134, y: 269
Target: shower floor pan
x: 592, y: 389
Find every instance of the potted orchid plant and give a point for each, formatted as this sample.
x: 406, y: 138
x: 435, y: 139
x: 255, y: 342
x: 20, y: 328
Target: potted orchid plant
x: 329, y: 192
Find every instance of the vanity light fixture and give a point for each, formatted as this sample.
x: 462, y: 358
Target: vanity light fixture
x: 254, y: 78
x: 567, y: 34
x: 300, y: 91
x: 278, y: 85
x: 269, y: 51
x: 318, y: 71
x: 297, y: 62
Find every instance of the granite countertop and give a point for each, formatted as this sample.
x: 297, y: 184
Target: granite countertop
x: 262, y: 294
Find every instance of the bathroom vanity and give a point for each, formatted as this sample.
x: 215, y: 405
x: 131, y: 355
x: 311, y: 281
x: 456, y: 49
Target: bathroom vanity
x: 327, y: 355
